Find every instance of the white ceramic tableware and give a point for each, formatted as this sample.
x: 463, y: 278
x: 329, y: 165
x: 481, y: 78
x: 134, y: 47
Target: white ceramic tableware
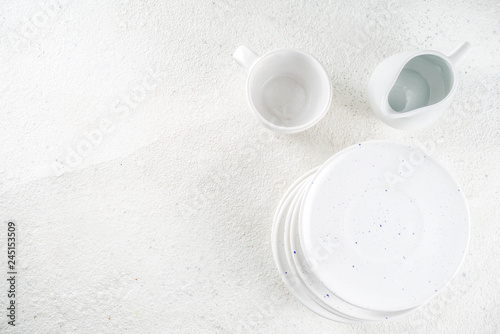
x: 411, y: 90
x: 373, y: 234
x: 288, y: 90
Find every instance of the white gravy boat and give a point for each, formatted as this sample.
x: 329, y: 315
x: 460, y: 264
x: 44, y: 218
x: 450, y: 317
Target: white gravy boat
x: 411, y: 90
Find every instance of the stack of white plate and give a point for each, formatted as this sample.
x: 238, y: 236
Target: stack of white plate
x: 372, y: 234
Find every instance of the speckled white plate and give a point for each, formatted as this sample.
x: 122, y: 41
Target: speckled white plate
x: 398, y: 222
x: 324, y: 297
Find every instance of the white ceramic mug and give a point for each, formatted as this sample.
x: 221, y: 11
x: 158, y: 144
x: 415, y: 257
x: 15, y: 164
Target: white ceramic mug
x: 288, y: 89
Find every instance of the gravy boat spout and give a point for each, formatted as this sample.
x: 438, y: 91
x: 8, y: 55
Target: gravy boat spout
x: 411, y: 90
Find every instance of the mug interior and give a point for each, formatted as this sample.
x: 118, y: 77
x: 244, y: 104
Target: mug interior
x: 423, y: 81
x: 289, y: 88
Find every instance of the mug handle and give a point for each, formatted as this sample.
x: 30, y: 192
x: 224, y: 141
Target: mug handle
x: 245, y: 57
x: 459, y: 53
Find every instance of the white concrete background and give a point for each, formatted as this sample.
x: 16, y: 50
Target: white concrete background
x: 163, y: 225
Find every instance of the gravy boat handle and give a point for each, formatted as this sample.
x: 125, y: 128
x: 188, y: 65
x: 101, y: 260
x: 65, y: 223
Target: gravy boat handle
x: 459, y: 53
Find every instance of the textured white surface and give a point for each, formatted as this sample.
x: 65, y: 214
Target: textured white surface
x: 164, y: 224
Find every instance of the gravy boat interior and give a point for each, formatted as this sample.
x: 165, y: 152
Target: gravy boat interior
x: 424, y: 80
